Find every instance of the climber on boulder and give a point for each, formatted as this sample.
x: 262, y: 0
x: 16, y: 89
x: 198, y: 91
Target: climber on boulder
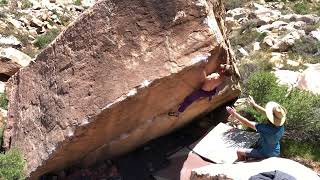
x: 208, y: 89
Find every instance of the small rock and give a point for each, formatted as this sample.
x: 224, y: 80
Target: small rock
x: 293, y: 63
x: 16, y: 56
x: 277, y: 59
x: 269, y: 40
x: 9, y: 41
x: 266, y: 14
x: 2, y: 87
x: 238, y: 13
x: 87, y: 3
x: 243, y: 52
x: 278, y: 24
x: 256, y: 46
x: 35, y: 22
x: 231, y: 23
x: 15, y: 23
x: 33, y: 31
x: 299, y: 24
x: 3, y: 117
x: 25, y: 21
x: 315, y: 34
x: 308, y: 18
x: 265, y: 28
x: 35, y: 5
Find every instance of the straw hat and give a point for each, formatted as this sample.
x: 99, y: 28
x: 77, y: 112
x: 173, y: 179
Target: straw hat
x: 276, y: 113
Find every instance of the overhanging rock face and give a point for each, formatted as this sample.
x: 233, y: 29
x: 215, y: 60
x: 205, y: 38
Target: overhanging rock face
x: 106, y: 84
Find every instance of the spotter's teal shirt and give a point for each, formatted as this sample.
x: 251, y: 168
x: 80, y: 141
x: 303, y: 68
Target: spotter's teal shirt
x: 269, y: 141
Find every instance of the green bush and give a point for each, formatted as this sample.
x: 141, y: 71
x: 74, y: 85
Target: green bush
x: 3, y: 2
x: 43, y: 40
x: 301, y: 8
x: 3, y: 101
x: 260, y: 85
x: 232, y: 4
x: 291, y: 148
x: 26, y: 4
x: 302, y: 106
x: 306, y: 48
x: 245, y: 38
x: 12, y: 165
x: 306, y: 45
x: 77, y: 2
x: 258, y: 61
x: 306, y: 58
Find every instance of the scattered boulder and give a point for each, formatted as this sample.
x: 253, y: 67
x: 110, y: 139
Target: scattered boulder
x: 11, y: 60
x: 256, y: 46
x: 287, y: 77
x: 238, y: 13
x: 14, y: 22
x: 315, y: 34
x: 2, y: 87
x: 231, y: 24
x: 3, y: 118
x: 310, y: 78
x: 308, y: 18
x: 9, y: 41
x: 243, y: 52
x: 265, y: 14
x: 281, y: 44
x: 87, y: 3
x: 101, y: 88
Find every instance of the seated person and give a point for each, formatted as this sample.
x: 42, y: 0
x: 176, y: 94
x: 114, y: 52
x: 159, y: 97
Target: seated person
x: 208, y: 89
x: 270, y: 133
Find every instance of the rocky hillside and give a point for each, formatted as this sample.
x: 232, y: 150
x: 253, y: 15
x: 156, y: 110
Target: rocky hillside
x: 274, y: 35
x: 27, y: 26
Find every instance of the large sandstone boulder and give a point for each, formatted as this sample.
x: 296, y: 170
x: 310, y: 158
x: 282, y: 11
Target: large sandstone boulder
x: 106, y: 84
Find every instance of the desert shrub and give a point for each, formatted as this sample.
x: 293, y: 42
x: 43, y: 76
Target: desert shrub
x: 11, y: 165
x: 306, y: 45
x: 311, y: 27
x: 291, y: 148
x: 77, y: 2
x: 245, y: 38
x: 26, y: 4
x: 300, y: 8
x: 3, y: 101
x: 249, y: 26
x: 258, y: 61
x: 260, y: 85
x: 232, y: 4
x: 43, y: 40
x: 307, y: 48
x: 3, y: 2
x: 303, y: 107
x: 305, y: 58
